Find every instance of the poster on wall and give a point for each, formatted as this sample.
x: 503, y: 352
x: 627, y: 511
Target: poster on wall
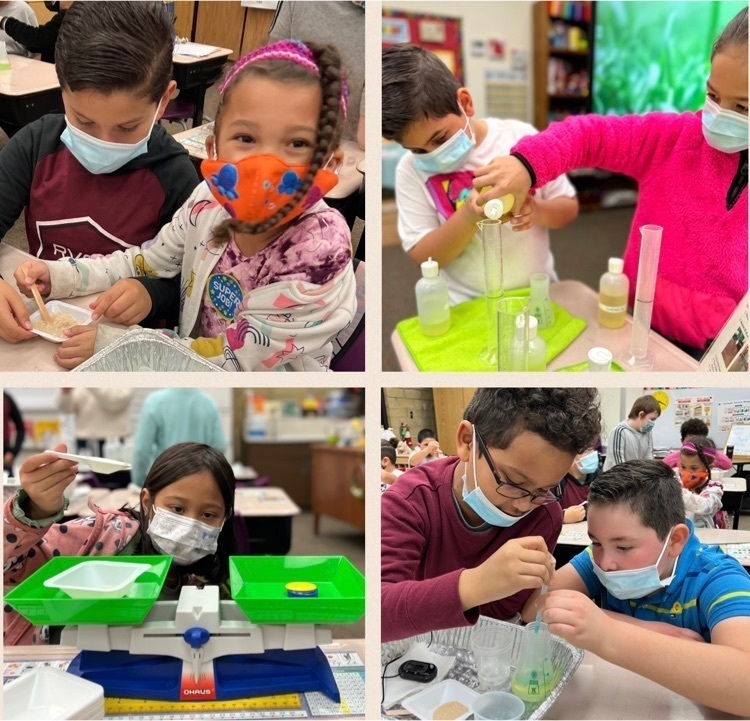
x: 496, y: 49
x: 733, y: 413
x: 687, y: 408
x: 438, y: 34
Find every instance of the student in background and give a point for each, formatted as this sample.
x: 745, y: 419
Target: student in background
x: 696, y: 155
x: 171, y: 416
x: 14, y: 432
x: 388, y: 470
x: 21, y: 11
x: 105, y: 175
x: 35, y: 38
x: 668, y: 602
x: 428, y: 448
x: 184, y: 507
x: 472, y: 534
x: 426, y: 111
x: 632, y: 438
x: 696, y: 427
x: 701, y: 495
x: 573, y: 490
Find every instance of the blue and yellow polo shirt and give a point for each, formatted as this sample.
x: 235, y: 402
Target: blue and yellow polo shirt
x: 708, y: 587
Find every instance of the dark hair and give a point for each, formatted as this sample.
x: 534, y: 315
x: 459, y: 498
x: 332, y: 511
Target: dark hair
x: 645, y: 405
x: 648, y: 488
x: 111, y: 46
x: 568, y: 418
x: 330, y: 122
x: 417, y: 85
x: 388, y: 451
x: 693, y: 427
x: 735, y: 33
x: 174, y: 464
x: 425, y: 433
x: 700, y: 442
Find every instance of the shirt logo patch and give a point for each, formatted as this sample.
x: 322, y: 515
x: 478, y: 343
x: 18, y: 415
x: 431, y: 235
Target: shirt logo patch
x: 225, y: 294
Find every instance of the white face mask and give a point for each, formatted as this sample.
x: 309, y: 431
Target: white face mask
x: 637, y: 582
x: 186, y: 539
x: 724, y: 129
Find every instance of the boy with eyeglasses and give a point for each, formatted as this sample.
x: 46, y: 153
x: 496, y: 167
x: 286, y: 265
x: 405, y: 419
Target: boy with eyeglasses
x: 472, y: 534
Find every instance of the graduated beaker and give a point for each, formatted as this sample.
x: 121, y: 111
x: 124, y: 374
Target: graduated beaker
x: 534, y: 677
x: 512, y: 330
x: 491, y: 234
x: 540, y: 305
x: 491, y: 648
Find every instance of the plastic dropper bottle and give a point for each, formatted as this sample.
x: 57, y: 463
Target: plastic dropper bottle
x: 537, y: 348
x: 528, y: 354
x: 433, y: 307
x: 613, y: 295
x: 498, y: 208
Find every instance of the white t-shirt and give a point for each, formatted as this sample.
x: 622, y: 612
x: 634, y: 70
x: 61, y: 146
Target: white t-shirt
x: 425, y: 202
x: 23, y: 12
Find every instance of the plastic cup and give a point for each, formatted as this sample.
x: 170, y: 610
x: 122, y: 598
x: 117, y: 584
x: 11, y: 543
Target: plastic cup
x: 491, y: 648
x: 512, y: 334
x: 498, y: 705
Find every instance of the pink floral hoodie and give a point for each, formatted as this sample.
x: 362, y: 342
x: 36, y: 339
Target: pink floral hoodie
x: 28, y: 545
x: 686, y: 187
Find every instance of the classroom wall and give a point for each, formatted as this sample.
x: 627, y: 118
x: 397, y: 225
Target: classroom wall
x: 413, y: 406
x: 508, y: 21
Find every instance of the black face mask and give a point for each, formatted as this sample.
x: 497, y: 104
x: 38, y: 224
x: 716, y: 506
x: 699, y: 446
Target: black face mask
x: 52, y: 7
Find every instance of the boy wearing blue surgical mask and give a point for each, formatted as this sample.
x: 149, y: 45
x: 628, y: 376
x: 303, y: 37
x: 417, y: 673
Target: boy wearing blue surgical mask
x: 426, y: 110
x: 663, y: 592
x: 632, y: 439
x: 104, y: 176
x: 472, y: 534
x: 573, y: 490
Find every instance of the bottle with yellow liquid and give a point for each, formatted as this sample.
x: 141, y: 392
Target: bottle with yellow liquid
x: 498, y: 208
x: 534, y: 677
x: 613, y: 295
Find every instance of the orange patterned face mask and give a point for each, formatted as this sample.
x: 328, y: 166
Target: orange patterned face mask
x: 254, y: 188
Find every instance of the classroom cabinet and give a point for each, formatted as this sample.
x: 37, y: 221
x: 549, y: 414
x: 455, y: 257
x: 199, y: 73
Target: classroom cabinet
x: 338, y: 484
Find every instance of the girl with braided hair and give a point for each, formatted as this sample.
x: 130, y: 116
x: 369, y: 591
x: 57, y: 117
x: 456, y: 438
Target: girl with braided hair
x: 701, y: 495
x: 266, y: 273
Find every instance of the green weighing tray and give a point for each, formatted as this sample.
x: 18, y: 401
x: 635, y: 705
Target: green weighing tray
x: 258, y: 585
x: 42, y: 605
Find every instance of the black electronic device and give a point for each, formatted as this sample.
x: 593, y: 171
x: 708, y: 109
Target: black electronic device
x: 420, y: 671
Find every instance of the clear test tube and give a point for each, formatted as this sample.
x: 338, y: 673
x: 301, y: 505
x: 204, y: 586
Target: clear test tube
x: 648, y: 265
x: 492, y: 248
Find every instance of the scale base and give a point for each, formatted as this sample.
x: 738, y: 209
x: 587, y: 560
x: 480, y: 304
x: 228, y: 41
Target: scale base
x: 125, y: 675
x: 644, y: 363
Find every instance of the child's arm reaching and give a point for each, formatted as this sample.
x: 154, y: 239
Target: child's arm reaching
x: 707, y: 503
x: 552, y: 213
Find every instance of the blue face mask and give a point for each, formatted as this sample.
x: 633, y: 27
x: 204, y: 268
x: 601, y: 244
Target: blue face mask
x: 588, y: 463
x: 479, y: 503
x: 450, y: 155
x: 724, y: 129
x: 100, y: 156
x: 636, y: 583
x: 648, y: 427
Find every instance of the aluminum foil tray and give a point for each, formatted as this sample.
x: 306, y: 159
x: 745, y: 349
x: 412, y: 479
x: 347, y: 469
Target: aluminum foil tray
x: 143, y: 349
x: 455, y: 642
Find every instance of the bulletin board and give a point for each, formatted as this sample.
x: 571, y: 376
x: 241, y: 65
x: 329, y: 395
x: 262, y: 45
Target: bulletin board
x: 739, y: 437
x: 719, y: 408
x: 438, y: 34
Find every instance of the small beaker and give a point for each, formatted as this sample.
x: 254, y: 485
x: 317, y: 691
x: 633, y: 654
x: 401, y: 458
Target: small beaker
x: 512, y: 334
x: 534, y: 677
x: 540, y: 305
x: 498, y: 705
x: 491, y: 648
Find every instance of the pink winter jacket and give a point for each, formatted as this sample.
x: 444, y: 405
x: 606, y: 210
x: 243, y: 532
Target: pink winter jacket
x: 684, y: 186
x: 28, y: 545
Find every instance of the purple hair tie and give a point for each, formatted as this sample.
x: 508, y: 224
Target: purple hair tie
x: 293, y: 51
x: 705, y: 450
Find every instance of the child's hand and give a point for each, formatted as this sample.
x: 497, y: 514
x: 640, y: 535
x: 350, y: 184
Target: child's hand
x: 474, y: 208
x: 574, y: 514
x: 14, y: 317
x: 575, y: 618
x: 33, y: 272
x: 44, y: 477
x: 526, y: 217
x: 505, y: 175
x: 519, y: 564
x: 78, y: 348
x: 126, y: 302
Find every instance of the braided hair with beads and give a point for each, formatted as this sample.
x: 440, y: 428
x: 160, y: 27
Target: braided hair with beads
x: 292, y: 61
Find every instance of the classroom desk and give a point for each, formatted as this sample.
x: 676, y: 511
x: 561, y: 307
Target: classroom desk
x: 14, y: 654
x: 35, y: 354
x: 582, y: 302
x: 28, y: 90
x: 195, y: 75
x: 601, y: 690
x: 576, y: 534
x: 350, y: 175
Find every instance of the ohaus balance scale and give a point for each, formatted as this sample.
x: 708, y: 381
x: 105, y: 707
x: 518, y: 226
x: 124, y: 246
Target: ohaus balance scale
x: 263, y: 642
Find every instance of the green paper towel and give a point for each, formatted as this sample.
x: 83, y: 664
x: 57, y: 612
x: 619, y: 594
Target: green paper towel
x: 459, y: 348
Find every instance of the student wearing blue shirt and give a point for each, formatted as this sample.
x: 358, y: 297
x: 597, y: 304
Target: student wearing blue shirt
x: 663, y: 592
